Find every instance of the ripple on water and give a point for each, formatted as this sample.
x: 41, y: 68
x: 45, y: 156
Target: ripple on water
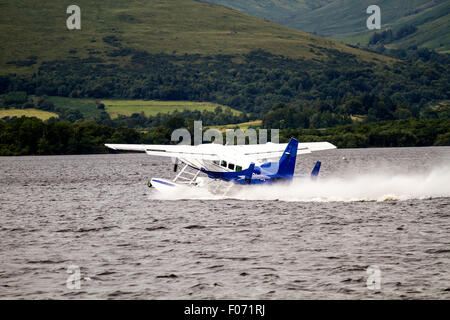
x: 96, y: 212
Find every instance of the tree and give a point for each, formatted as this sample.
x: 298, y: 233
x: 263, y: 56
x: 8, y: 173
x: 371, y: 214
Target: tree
x: 175, y: 122
x: 15, y: 98
x: 45, y: 104
x: 443, y: 139
x: 403, y: 113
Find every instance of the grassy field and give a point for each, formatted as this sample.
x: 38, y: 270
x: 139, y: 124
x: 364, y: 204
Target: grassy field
x: 43, y: 115
x: 242, y: 125
x: 38, y: 33
x: 152, y: 107
x: 358, y: 118
x: 88, y: 107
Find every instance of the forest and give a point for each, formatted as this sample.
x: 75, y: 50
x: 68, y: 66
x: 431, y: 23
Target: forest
x: 253, y: 82
x: 348, y: 102
x: 31, y: 136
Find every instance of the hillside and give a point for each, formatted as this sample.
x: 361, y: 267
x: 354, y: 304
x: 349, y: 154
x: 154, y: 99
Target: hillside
x: 273, y: 10
x: 184, y: 50
x: 345, y: 20
x: 34, y: 33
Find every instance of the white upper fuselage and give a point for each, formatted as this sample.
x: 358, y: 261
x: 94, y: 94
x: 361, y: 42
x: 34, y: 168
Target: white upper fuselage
x: 222, y: 158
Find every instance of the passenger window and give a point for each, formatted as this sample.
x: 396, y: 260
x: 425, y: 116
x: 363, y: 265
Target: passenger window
x: 231, y: 166
x: 224, y: 163
x: 238, y: 168
x: 216, y: 162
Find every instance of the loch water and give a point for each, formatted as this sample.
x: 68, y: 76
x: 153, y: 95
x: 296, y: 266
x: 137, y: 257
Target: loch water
x: 93, y: 216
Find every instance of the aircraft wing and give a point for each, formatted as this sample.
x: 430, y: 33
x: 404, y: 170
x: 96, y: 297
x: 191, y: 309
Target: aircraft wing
x: 126, y: 147
x: 275, y: 150
x: 256, y: 152
x: 205, y: 151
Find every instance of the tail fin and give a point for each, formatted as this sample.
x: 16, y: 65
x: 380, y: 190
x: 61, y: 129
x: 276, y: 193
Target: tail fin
x: 316, y: 169
x: 286, y: 165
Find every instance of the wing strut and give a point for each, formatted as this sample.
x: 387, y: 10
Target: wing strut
x: 186, y: 176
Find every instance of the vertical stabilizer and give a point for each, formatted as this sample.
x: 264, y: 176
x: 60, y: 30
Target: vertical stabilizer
x: 287, y: 161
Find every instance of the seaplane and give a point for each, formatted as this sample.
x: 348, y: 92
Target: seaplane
x: 231, y: 164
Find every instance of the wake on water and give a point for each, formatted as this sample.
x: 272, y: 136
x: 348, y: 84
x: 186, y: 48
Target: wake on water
x: 376, y: 185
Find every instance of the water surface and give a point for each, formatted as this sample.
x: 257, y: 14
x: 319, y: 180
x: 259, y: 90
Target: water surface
x: 310, y: 240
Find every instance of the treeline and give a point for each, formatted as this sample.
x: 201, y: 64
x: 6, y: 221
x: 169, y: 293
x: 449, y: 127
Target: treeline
x: 388, y: 36
x: 220, y: 115
x: 364, y: 108
x: 398, y: 133
x: 416, y: 55
x: 252, y: 82
x: 21, y: 100
x: 31, y: 136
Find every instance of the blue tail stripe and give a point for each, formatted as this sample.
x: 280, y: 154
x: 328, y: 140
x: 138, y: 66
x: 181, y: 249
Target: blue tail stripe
x: 287, y: 161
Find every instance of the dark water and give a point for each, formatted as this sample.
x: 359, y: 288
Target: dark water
x: 310, y: 240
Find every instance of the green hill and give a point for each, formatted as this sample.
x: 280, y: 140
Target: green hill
x: 194, y: 51
x: 273, y: 10
x: 35, y: 32
x: 346, y: 19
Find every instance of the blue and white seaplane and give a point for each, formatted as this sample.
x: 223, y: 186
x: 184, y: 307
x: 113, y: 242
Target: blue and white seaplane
x: 238, y: 164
